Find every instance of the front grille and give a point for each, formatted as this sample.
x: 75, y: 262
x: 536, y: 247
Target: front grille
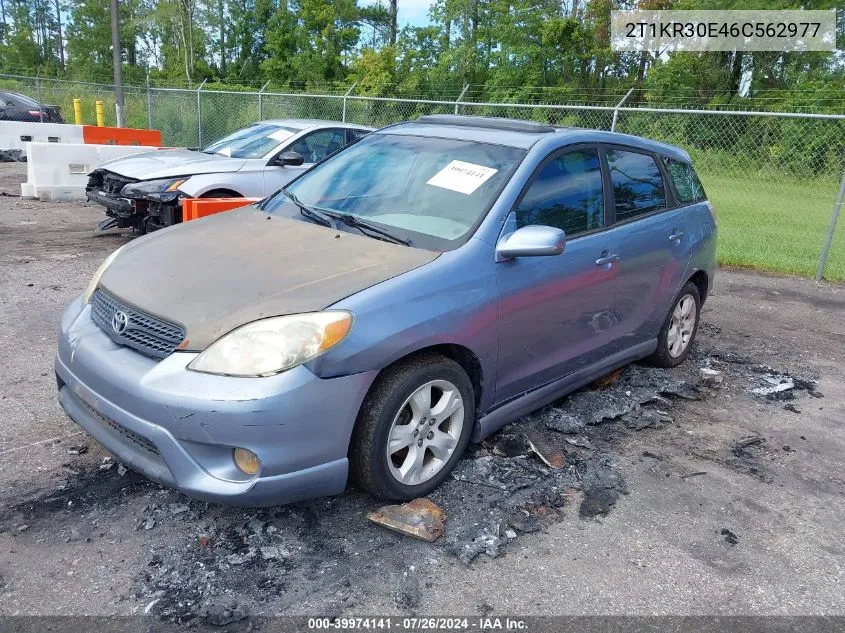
x: 143, y: 332
x: 114, y: 183
x: 108, y: 182
x: 139, y: 441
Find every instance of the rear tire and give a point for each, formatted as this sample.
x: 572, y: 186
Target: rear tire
x: 678, y: 332
x: 400, y: 450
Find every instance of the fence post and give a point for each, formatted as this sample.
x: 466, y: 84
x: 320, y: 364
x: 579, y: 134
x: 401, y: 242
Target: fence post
x: 40, y: 101
x: 834, y: 217
x: 345, y: 97
x: 616, y: 110
x: 199, y: 114
x: 260, y: 103
x: 149, y: 105
x: 460, y: 96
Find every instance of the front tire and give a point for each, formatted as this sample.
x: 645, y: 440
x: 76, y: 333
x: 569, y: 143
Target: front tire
x: 413, y: 428
x: 678, y: 332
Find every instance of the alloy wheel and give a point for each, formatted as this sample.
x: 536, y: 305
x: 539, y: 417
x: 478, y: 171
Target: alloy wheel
x: 425, y: 432
x: 681, y: 326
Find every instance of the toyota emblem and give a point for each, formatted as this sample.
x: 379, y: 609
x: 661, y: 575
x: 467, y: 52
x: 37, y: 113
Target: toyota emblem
x: 119, y: 321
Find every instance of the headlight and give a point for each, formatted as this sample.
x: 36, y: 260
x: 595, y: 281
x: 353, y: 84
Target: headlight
x: 92, y: 285
x: 271, y: 346
x: 152, y: 186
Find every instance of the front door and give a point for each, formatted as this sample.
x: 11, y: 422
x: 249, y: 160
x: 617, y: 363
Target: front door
x: 557, y: 313
x: 313, y: 147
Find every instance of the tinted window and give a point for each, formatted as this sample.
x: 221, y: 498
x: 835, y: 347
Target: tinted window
x: 637, y: 184
x: 21, y: 101
x: 316, y: 146
x: 567, y: 194
x: 687, y: 185
x: 354, y: 135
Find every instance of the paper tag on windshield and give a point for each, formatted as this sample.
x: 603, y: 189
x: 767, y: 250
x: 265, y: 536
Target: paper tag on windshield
x: 280, y: 135
x: 461, y: 177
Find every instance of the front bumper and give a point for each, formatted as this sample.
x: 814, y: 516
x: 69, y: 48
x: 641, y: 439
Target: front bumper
x: 179, y: 427
x: 143, y: 213
x: 112, y: 203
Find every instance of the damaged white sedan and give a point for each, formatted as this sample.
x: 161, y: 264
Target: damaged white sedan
x: 144, y: 191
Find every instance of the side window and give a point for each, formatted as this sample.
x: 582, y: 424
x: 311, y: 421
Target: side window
x: 355, y: 135
x: 637, y: 184
x: 687, y: 185
x: 566, y: 194
x: 316, y: 146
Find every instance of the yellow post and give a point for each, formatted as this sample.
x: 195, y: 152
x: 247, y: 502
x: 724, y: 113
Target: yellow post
x: 77, y: 111
x: 101, y: 115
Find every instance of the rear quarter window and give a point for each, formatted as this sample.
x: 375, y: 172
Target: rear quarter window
x: 687, y: 186
x: 356, y: 135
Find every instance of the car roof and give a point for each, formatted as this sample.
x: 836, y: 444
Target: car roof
x: 306, y: 124
x: 19, y: 95
x: 522, y: 134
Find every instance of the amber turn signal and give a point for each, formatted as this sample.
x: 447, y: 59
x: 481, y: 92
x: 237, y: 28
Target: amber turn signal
x: 246, y: 461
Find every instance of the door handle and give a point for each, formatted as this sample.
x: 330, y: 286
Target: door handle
x: 676, y: 236
x: 607, y: 260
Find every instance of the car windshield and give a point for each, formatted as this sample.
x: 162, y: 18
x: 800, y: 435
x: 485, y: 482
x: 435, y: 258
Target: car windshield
x: 431, y: 191
x: 255, y: 141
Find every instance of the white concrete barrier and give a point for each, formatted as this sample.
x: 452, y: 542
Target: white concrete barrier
x: 15, y: 134
x: 60, y: 172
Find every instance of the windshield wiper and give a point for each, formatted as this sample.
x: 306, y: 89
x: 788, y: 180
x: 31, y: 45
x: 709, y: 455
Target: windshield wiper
x: 365, y: 227
x: 308, y: 212
x: 325, y: 218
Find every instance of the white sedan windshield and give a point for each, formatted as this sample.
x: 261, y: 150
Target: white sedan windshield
x: 255, y: 141
x: 425, y: 187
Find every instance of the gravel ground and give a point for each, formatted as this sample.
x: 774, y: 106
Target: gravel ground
x: 677, y: 496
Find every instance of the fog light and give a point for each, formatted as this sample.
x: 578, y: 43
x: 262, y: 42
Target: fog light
x: 246, y: 461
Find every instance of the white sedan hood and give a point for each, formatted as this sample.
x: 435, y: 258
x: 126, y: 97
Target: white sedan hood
x: 167, y: 163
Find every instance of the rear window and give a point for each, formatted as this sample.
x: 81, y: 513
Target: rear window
x: 22, y: 100
x: 688, y: 187
x: 637, y: 184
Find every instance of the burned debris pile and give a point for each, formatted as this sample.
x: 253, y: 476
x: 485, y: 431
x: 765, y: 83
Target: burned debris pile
x: 222, y: 565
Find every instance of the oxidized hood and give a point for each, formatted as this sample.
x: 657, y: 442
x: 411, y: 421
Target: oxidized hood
x: 167, y: 163
x: 215, y: 274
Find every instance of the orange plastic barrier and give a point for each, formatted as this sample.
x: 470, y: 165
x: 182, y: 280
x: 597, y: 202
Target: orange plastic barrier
x: 195, y: 208
x: 94, y: 135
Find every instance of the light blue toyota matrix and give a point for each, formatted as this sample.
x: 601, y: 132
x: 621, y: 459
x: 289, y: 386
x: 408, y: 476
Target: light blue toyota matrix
x: 411, y: 293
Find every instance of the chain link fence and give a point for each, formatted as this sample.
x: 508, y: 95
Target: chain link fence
x: 773, y: 176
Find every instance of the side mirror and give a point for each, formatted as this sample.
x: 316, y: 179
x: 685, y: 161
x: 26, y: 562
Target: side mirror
x: 531, y: 241
x: 289, y: 159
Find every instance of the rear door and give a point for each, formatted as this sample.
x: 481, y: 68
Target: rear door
x: 556, y: 312
x: 654, y: 242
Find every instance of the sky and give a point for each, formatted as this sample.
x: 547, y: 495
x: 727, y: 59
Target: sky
x: 413, y: 12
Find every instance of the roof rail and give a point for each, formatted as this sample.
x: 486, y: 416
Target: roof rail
x: 489, y: 122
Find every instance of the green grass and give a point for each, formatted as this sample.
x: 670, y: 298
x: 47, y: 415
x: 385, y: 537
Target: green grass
x: 776, y: 225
